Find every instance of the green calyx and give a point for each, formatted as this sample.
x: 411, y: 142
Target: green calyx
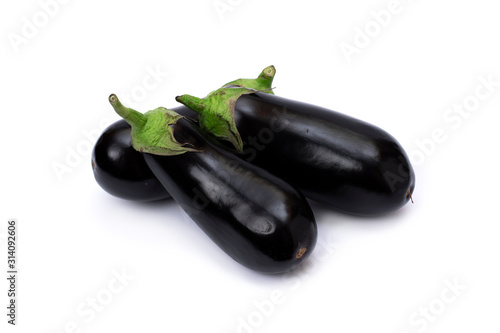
x: 151, y: 132
x: 262, y: 83
x: 217, y: 112
x: 217, y: 109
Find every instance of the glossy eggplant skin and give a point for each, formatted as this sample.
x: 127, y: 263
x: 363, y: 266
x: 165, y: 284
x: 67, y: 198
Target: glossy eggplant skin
x: 259, y: 220
x: 120, y: 170
x: 337, y: 160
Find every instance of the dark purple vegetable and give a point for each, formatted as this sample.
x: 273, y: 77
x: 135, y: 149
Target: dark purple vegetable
x: 120, y: 170
x: 337, y: 160
x: 334, y: 159
x: 258, y: 219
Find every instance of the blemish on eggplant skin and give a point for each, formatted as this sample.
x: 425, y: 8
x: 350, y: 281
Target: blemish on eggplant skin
x: 301, y: 253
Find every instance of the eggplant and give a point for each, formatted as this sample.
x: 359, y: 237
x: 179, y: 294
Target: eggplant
x: 342, y: 162
x: 120, y: 170
x: 258, y: 219
x: 334, y: 159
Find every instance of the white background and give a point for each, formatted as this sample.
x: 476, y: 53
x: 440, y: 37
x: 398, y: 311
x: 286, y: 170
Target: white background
x: 366, y: 275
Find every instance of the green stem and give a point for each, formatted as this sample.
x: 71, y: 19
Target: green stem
x: 217, y: 112
x: 262, y: 83
x: 152, y: 131
x: 196, y: 104
x: 266, y: 77
x: 134, y: 118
